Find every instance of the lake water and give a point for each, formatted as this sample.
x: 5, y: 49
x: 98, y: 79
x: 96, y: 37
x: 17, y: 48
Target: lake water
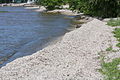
x: 24, y: 31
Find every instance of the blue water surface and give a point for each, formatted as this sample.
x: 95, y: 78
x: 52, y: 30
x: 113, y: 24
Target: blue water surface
x: 24, y: 31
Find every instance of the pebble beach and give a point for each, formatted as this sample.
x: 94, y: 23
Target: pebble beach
x: 75, y: 57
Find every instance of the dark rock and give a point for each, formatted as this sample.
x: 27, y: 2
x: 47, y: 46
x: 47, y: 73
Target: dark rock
x: 78, y: 25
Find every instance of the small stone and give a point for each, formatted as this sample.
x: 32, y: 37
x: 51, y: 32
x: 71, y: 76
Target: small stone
x: 78, y: 25
x: 83, y: 17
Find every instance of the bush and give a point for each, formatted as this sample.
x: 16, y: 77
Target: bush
x: 99, y: 8
x: 50, y: 4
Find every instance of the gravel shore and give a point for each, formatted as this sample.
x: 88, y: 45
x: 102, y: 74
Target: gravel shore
x: 75, y: 57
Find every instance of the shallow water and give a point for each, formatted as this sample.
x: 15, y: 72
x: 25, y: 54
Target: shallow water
x: 23, y: 31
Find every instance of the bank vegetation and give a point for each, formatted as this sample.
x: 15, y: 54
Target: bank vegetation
x: 99, y: 8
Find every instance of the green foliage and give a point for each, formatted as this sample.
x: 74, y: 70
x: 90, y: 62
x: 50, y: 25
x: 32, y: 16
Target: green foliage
x: 117, y: 35
x: 100, y: 8
x: 109, y: 49
x: 81, y: 5
x: 118, y: 45
x: 5, y: 1
x: 111, y: 70
x: 51, y: 4
x: 114, y: 22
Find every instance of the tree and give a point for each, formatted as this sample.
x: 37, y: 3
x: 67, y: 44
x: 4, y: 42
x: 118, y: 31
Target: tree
x: 99, y: 8
x: 5, y: 1
x: 52, y: 4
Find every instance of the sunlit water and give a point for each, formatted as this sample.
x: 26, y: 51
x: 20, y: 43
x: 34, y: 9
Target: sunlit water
x: 23, y: 32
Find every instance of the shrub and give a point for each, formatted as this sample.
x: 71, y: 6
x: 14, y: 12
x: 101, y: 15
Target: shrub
x: 100, y: 8
x: 50, y: 4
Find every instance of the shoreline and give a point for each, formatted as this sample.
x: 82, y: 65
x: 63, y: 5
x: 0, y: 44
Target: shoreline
x: 78, y: 20
x: 74, y: 57
x: 18, y: 5
x: 52, y: 41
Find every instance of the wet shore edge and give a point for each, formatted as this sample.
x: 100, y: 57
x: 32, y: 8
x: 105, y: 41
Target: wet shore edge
x: 77, y: 21
x: 73, y: 57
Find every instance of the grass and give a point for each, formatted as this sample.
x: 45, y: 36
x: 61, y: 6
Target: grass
x: 109, y: 49
x: 114, y: 23
x: 111, y: 70
x: 117, y: 35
